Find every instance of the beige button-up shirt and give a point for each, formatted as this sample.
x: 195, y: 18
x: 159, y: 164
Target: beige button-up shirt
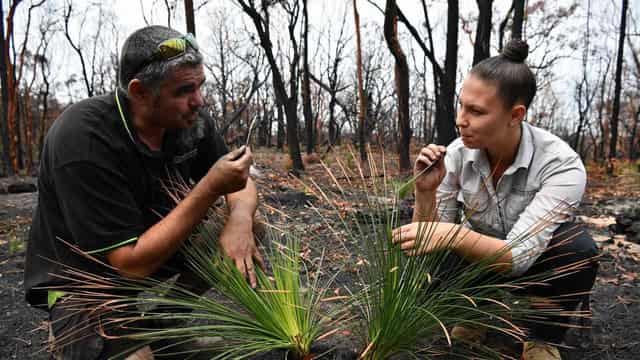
x: 537, y: 193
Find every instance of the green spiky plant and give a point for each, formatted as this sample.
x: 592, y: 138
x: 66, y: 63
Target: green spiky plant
x: 285, y: 307
x: 282, y: 313
x: 408, y: 303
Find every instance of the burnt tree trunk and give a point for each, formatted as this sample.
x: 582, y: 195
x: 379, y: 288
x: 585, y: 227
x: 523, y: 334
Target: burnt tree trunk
x: 518, y: 19
x: 503, y: 26
x: 483, y: 31
x: 306, y: 83
x: 4, y: 83
x: 401, y: 71
x: 362, y: 99
x: 281, y: 132
x: 615, y: 113
x: 288, y: 101
x: 12, y: 98
x: 632, y: 139
x: 188, y: 11
x: 445, y: 111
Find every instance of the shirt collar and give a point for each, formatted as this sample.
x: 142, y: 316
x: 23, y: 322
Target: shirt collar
x: 168, y: 145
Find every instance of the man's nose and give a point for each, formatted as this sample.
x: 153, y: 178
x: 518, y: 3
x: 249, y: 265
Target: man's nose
x: 198, y: 99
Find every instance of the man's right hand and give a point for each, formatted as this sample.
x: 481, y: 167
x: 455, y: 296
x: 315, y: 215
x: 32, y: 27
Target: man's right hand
x: 230, y: 173
x: 430, y: 180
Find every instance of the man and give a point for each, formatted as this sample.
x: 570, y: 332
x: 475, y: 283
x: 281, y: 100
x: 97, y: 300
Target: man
x: 103, y: 166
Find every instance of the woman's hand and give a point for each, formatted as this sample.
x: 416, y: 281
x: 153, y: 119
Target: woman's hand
x: 425, y: 237
x: 431, y: 179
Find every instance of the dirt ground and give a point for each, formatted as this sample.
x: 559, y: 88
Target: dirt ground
x: 615, y: 302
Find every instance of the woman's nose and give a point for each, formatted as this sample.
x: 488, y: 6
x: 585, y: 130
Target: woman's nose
x: 461, y: 119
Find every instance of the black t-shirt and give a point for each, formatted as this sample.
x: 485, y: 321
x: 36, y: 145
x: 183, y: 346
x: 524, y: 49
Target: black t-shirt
x: 101, y: 188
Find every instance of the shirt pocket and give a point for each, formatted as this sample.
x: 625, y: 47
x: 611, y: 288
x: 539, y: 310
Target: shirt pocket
x: 517, y: 202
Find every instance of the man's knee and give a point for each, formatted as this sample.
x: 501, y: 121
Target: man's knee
x: 72, y: 336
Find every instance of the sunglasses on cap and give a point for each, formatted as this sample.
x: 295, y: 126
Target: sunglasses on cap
x: 171, y: 49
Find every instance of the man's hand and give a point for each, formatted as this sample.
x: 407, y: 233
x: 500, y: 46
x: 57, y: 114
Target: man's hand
x: 430, y: 180
x: 425, y: 237
x: 230, y: 173
x: 238, y: 243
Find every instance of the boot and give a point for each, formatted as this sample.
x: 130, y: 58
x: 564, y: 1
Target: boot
x: 475, y: 335
x: 535, y: 350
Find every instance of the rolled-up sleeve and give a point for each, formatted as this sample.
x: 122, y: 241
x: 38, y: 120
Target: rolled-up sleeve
x: 447, y: 193
x: 562, y: 187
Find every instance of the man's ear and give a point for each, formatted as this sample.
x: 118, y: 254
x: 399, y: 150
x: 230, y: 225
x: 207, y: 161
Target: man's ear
x: 517, y: 114
x: 137, y: 91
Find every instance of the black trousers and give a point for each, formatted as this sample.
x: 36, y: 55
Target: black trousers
x: 571, y: 244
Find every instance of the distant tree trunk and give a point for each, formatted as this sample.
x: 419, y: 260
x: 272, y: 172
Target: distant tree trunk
x: 402, y: 82
x: 585, y: 96
x: 601, y: 107
x: 306, y: 82
x: 445, y: 112
x: 29, y: 120
x: 45, y: 106
x: 634, y: 129
x: 362, y: 99
x: 444, y: 80
x: 169, y: 9
x: 262, y: 124
x: 333, y: 131
x: 615, y: 113
x: 483, y: 31
x: 503, y: 26
x: 281, y: 132
x: 4, y: 83
x: 189, y: 14
x: 12, y: 98
x: 518, y: 19
x: 265, y: 134
x: 437, y: 75
x: 288, y: 101
x: 333, y: 82
x: 23, y: 114
x: 632, y: 139
x: 85, y: 75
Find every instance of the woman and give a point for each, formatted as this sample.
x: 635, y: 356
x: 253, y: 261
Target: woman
x: 511, y: 178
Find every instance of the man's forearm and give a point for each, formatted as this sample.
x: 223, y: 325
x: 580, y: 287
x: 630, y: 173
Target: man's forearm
x: 425, y: 207
x: 243, y: 204
x: 156, y: 245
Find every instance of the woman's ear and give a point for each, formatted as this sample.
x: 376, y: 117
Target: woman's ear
x: 517, y: 114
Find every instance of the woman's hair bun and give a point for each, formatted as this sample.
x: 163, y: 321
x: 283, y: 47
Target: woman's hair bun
x: 515, y: 50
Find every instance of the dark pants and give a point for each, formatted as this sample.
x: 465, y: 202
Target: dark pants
x: 570, y: 245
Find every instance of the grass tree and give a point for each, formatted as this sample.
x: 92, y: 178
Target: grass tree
x: 409, y: 304
x: 282, y: 312
x: 406, y: 305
